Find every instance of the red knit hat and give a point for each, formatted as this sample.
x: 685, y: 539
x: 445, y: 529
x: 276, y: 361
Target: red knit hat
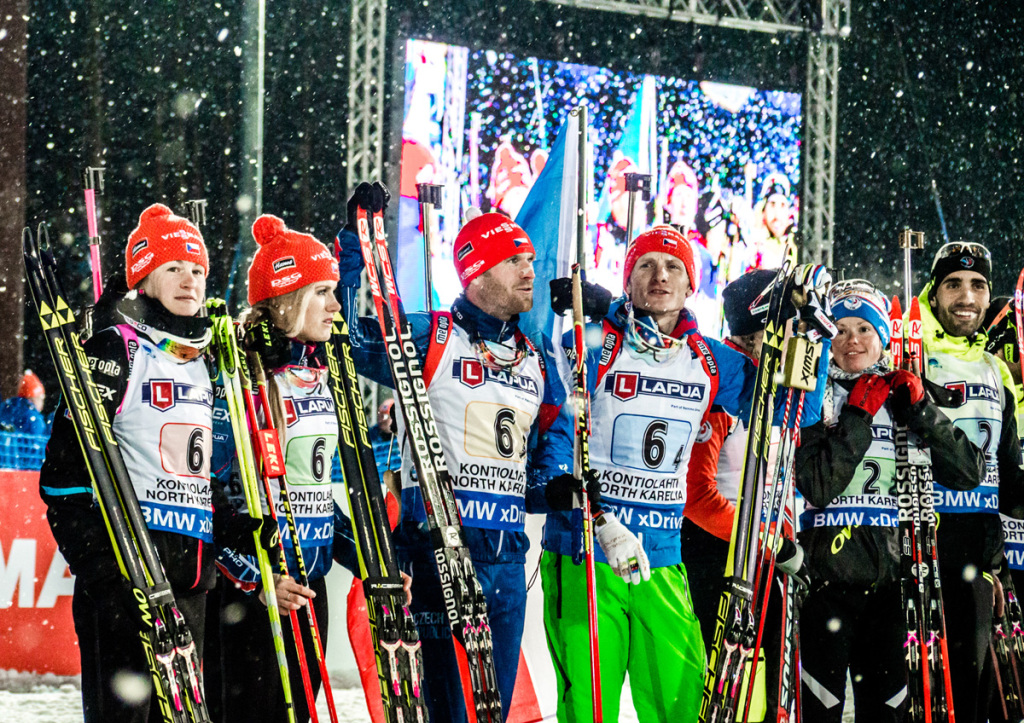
x: 161, y: 237
x: 486, y: 241
x: 30, y: 386
x: 286, y: 260
x: 666, y: 240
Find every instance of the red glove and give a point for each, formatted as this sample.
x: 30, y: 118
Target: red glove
x: 907, y: 390
x: 869, y: 393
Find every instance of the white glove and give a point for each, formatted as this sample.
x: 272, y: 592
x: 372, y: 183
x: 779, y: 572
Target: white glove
x: 622, y: 548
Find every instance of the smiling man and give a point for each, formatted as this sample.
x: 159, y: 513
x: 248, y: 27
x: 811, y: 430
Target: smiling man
x: 970, y: 537
x: 653, y: 380
x: 495, y: 398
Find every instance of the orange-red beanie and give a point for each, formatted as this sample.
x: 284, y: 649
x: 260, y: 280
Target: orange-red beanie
x: 161, y: 237
x: 666, y: 240
x: 286, y: 260
x: 486, y: 241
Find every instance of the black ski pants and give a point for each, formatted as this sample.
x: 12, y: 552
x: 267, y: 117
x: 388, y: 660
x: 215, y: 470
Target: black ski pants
x: 844, y: 627
x: 967, y: 599
x: 248, y: 679
x: 116, y: 681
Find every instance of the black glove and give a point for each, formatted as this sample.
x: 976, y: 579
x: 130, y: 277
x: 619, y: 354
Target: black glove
x: 269, y: 342
x: 237, y: 534
x: 596, y: 299
x: 561, y: 490
x: 111, y: 595
x: 371, y: 196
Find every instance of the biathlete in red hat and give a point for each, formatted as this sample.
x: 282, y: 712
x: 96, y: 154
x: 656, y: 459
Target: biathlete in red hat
x: 148, y: 361
x: 291, y: 281
x: 653, y: 380
x: 495, y: 397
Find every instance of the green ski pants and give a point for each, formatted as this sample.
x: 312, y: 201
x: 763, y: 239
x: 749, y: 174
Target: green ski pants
x: 648, y: 630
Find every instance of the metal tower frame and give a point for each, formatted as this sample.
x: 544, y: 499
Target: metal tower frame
x: 824, y: 22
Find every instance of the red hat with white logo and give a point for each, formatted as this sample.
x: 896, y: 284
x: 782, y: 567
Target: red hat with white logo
x: 486, y: 241
x: 286, y: 260
x: 666, y: 240
x: 161, y: 237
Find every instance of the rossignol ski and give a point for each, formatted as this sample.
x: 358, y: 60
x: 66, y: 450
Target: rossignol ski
x: 931, y: 694
x: 163, y: 634
x: 467, y: 607
x: 912, y: 584
x: 1005, y: 651
x: 230, y: 364
x: 736, y: 633
x: 395, y: 638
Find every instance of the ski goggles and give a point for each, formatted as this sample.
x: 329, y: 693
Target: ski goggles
x: 502, y: 357
x: 962, y: 248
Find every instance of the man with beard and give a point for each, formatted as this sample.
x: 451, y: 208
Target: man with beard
x: 970, y: 537
x: 495, y: 398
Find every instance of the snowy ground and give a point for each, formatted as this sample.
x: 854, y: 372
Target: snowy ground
x: 55, y: 701
x: 47, y: 699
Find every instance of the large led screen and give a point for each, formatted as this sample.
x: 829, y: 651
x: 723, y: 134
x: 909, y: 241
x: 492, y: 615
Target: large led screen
x: 723, y: 161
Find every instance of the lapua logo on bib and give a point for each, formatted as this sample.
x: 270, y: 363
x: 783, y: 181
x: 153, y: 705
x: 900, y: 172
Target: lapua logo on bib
x: 164, y: 394
x: 472, y: 373
x: 971, y: 392
x: 627, y: 385
x: 295, y: 409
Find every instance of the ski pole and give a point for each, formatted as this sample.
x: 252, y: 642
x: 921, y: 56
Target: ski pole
x: 430, y: 197
x: 272, y: 457
x: 582, y: 470
x: 197, y: 211
x: 637, y: 184
x: 94, y: 181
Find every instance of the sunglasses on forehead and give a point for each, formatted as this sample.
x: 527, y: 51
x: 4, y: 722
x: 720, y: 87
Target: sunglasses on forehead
x: 962, y: 248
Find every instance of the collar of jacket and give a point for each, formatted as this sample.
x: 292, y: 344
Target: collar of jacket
x: 968, y: 348
x: 304, y: 354
x: 480, y: 324
x: 618, y: 315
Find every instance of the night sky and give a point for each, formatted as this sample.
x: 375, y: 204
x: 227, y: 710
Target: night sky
x: 155, y: 95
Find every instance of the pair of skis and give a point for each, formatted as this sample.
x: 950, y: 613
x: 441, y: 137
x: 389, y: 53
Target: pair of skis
x: 261, y: 459
x: 165, y: 638
x: 1007, y: 653
x: 466, y: 605
x: 927, y: 653
x: 751, y: 561
x: 395, y: 638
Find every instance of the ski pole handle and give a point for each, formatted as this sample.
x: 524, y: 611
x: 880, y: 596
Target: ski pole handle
x: 94, y: 179
x: 430, y: 196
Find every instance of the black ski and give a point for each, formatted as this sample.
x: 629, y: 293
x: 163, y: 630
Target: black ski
x: 163, y: 634
x: 395, y: 638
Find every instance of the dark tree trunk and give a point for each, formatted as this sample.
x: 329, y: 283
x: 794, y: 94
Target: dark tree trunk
x: 13, y: 82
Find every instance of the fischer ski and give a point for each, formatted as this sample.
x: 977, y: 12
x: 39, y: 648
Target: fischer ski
x: 165, y: 638
x: 467, y: 611
x: 395, y: 638
x: 736, y: 632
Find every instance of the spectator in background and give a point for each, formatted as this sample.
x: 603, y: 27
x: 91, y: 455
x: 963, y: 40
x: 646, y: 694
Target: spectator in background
x: 24, y: 413
x: 386, y: 449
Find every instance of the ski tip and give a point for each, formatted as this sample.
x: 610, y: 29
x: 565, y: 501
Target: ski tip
x: 896, y: 312
x: 915, y: 308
